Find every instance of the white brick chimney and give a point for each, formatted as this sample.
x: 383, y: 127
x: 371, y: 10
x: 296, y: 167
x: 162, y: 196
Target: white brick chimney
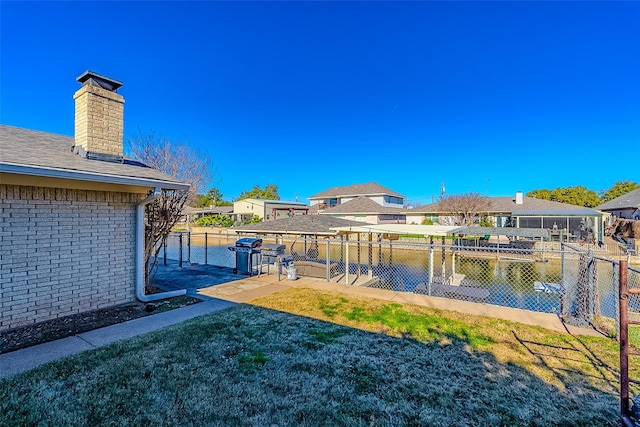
x: 519, y: 198
x: 99, y: 118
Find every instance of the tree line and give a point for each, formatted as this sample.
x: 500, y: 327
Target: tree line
x: 582, y: 196
x: 214, y: 197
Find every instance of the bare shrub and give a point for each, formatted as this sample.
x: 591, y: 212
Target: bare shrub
x: 465, y: 209
x: 181, y: 161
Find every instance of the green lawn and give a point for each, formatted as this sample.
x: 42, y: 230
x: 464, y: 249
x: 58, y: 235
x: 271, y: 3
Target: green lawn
x: 308, y: 358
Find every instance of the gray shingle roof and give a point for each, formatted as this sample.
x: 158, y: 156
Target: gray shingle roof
x: 362, y: 205
x: 530, y: 205
x: 47, y: 154
x: 626, y: 201
x: 368, y: 189
x: 299, y: 224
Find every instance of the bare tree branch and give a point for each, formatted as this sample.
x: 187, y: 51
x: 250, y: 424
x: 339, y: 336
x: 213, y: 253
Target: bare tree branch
x: 182, y: 162
x: 465, y: 208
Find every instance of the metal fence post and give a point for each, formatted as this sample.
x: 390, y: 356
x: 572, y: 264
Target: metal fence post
x: 189, y: 247
x: 624, y: 339
x: 346, y: 280
x: 564, y: 306
x: 616, y: 279
x: 592, y: 291
x: 393, y: 286
x: 164, y: 245
x: 444, y: 265
x: 430, y: 271
x: 370, y: 255
x: 180, y: 249
x: 206, y: 248
x: 328, y: 258
x: 342, y: 249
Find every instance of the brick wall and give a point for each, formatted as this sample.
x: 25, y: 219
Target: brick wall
x: 64, y: 252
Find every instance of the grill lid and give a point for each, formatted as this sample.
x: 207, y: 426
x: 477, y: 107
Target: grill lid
x: 248, y: 242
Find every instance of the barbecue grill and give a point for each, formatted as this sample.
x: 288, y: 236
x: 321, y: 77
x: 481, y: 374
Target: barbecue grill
x: 272, y: 250
x: 274, y: 254
x: 245, y: 250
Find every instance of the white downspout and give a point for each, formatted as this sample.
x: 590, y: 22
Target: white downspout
x: 140, y: 254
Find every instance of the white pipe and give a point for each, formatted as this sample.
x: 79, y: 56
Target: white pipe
x: 140, y: 254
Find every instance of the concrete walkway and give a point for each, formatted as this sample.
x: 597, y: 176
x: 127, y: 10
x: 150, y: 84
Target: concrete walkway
x: 28, y: 358
x: 243, y: 290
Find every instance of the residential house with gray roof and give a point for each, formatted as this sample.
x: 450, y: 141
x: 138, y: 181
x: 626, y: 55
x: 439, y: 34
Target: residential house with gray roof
x: 626, y: 206
x: 370, y: 203
x: 72, y: 217
x: 564, y: 221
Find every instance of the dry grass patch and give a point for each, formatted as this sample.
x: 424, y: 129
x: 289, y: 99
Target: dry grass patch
x: 567, y: 362
x: 307, y: 358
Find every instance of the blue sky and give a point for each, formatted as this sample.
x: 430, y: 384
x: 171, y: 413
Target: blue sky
x: 487, y: 97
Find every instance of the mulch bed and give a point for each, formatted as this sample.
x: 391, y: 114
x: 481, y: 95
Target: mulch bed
x: 38, y: 333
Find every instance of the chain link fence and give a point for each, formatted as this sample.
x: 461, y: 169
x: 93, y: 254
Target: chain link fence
x: 186, y: 248
x: 574, y: 282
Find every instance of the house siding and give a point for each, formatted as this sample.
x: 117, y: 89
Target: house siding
x: 64, y: 252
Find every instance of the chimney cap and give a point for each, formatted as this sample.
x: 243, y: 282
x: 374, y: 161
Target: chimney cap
x: 94, y: 79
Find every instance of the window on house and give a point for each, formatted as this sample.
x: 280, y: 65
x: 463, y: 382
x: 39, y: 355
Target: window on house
x: 502, y: 221
x: 555, y: 223
x: 530, y: 222
x: 393, y: 200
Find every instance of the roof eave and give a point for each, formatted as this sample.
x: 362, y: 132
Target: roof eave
x: 291, y: 232
x: 360, y: 213
x: 90, y: 176
x: 316, y: 197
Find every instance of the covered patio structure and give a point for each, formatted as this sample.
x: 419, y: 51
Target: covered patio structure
x: 519, y: 238
x: 311, y: 228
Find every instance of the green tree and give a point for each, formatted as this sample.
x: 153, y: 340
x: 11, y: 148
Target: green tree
x: 541, y: 194
x: 618, y: 189
x: 270, y: 192
x: 485, y: 221
x: 254, y: 219
x: 578, y: 196
x: 215, y: 220
x: 213, y: 197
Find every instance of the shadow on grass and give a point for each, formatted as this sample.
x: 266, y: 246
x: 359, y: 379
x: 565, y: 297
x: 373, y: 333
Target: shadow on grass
x: 584, y: 356
x: 253, y: 366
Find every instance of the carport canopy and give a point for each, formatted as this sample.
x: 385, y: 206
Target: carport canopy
x: 426, y: 230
